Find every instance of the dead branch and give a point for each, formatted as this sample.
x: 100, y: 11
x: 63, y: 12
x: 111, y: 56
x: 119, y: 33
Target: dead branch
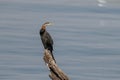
x: 55, y: 72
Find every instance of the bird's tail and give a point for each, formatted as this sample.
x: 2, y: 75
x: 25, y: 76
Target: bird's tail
x: 52, y: 55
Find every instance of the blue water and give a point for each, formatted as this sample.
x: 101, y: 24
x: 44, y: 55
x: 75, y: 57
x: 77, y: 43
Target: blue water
x: 86, y: 37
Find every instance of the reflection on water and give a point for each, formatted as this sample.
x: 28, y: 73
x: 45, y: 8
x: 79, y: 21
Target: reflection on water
x: 85, y: 32
x: 101, y: 3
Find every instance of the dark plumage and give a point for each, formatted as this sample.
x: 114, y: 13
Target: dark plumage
x: 46, y: 38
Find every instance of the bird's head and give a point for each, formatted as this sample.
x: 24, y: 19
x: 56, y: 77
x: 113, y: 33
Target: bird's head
x: 46, y: 24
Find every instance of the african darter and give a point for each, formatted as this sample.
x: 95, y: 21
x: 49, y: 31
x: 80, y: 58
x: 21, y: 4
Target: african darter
x: 46, y: 38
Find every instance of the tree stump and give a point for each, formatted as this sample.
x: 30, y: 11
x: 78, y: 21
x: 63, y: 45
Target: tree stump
x: 55, y: 72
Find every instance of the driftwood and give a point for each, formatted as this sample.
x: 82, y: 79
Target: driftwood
x: 55, y: 72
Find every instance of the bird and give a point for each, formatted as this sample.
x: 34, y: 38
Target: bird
x: 46, y: 38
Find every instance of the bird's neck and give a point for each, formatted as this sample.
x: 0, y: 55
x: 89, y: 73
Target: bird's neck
x: 42, y: 30
x: 43, y: 27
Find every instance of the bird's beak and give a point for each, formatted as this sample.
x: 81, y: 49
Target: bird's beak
x: 50, y: 24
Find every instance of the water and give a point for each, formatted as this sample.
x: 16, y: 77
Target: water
x: 86, y: 37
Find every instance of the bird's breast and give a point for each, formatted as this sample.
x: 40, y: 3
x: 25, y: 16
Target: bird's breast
x: 42, y: 32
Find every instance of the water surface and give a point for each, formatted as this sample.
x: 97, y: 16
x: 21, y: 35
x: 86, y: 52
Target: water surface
x: 86, y: 37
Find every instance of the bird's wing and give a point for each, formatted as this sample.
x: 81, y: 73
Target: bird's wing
x: 46, y: 40
x: 49, y: 38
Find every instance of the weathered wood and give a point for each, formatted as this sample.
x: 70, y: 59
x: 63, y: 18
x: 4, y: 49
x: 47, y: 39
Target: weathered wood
x: 55, y: 72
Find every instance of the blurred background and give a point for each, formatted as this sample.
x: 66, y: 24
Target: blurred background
x: 86, y: 36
